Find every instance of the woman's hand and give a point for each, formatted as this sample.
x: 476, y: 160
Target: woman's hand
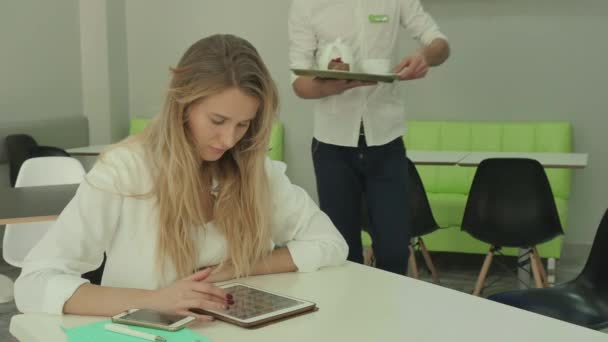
x: 193, y: 292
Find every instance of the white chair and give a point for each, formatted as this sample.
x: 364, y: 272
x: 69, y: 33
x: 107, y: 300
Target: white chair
x: 20, y: 238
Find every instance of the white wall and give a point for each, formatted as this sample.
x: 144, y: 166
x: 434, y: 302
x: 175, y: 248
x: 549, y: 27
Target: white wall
x: 512, y: 60
x: 65, y: 58
x: 39, y: 64
x: 104, y: 69
x: 118, y: 69
x: 39, y: 60
x: 45, y: 71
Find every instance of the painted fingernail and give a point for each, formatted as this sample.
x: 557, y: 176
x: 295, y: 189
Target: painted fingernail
x: 229, y: 296
x: 230, y: 302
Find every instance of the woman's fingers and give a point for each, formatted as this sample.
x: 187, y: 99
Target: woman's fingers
x: 211, y: 290
x: 194, y: 295
x: 202, y: 303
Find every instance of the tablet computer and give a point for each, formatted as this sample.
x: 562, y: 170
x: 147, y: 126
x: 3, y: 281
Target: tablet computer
x: 346, y: 75
x: 253, y: 307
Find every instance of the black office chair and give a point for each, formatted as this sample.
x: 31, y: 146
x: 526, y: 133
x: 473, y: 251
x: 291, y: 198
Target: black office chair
x: 511, y: 204
x: 21, y: 147
x: 582, y: 301
x: 421, y: 223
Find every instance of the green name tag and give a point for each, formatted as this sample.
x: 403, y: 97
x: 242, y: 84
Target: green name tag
x: 378, y: 18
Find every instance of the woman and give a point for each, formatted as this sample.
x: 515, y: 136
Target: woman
x: 194, y: 191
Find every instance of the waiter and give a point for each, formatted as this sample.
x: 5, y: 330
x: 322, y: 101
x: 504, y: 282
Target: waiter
x: 357, y: 149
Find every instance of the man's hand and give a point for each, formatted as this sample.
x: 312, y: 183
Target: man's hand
x: 418, y: 63
x: 415, y: 65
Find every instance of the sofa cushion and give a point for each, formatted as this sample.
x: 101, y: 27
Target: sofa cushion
x: 448, y: 209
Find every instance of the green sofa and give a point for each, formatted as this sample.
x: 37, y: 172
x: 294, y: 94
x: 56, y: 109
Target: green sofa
x: 447, y: 187
x: 275, y: 150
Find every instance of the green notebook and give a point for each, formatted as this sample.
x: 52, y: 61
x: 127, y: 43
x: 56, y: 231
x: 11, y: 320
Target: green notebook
x: 95, y: 332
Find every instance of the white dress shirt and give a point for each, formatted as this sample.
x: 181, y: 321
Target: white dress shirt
x: 315, y: 23
x: 100, y: 218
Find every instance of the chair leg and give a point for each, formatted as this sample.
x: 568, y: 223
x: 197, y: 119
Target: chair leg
x: 368, y: 255
x: 543, y: 272
x: 538, y: 281
x: 428, y: 261
x: 541, y: 267
x: 412, y: 262
x: 484, y: 273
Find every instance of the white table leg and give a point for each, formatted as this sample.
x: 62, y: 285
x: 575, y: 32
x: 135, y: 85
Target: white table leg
x: 6, y: 289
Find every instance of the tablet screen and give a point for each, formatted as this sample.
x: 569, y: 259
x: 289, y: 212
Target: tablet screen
x: 250, y: 302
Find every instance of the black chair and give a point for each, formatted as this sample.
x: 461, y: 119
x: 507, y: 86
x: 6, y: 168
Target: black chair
x: 511, y: 204
x: 21, y: 147
x: 582, y: 301
x: 421, y: 222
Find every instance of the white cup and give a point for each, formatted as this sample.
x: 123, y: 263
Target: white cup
x: 376, y: 66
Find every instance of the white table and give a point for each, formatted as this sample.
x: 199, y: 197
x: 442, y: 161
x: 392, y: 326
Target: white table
x: 359, y: 303
x: 472, y: 158
x: 551, y: 160
x: 92, y: 150
x: 417, y: 156
x: 420, y: 157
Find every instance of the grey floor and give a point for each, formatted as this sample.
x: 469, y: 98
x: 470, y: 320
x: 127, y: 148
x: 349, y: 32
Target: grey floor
x: 457, y: 271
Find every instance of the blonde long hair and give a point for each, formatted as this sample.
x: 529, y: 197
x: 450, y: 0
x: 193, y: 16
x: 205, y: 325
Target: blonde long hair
x: 182, y: 182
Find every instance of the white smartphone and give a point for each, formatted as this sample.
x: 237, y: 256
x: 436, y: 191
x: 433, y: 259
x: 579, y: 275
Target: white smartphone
x: 152, y: 319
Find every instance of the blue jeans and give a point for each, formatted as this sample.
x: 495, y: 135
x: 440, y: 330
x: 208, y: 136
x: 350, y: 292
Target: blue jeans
x: 379, y: 173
